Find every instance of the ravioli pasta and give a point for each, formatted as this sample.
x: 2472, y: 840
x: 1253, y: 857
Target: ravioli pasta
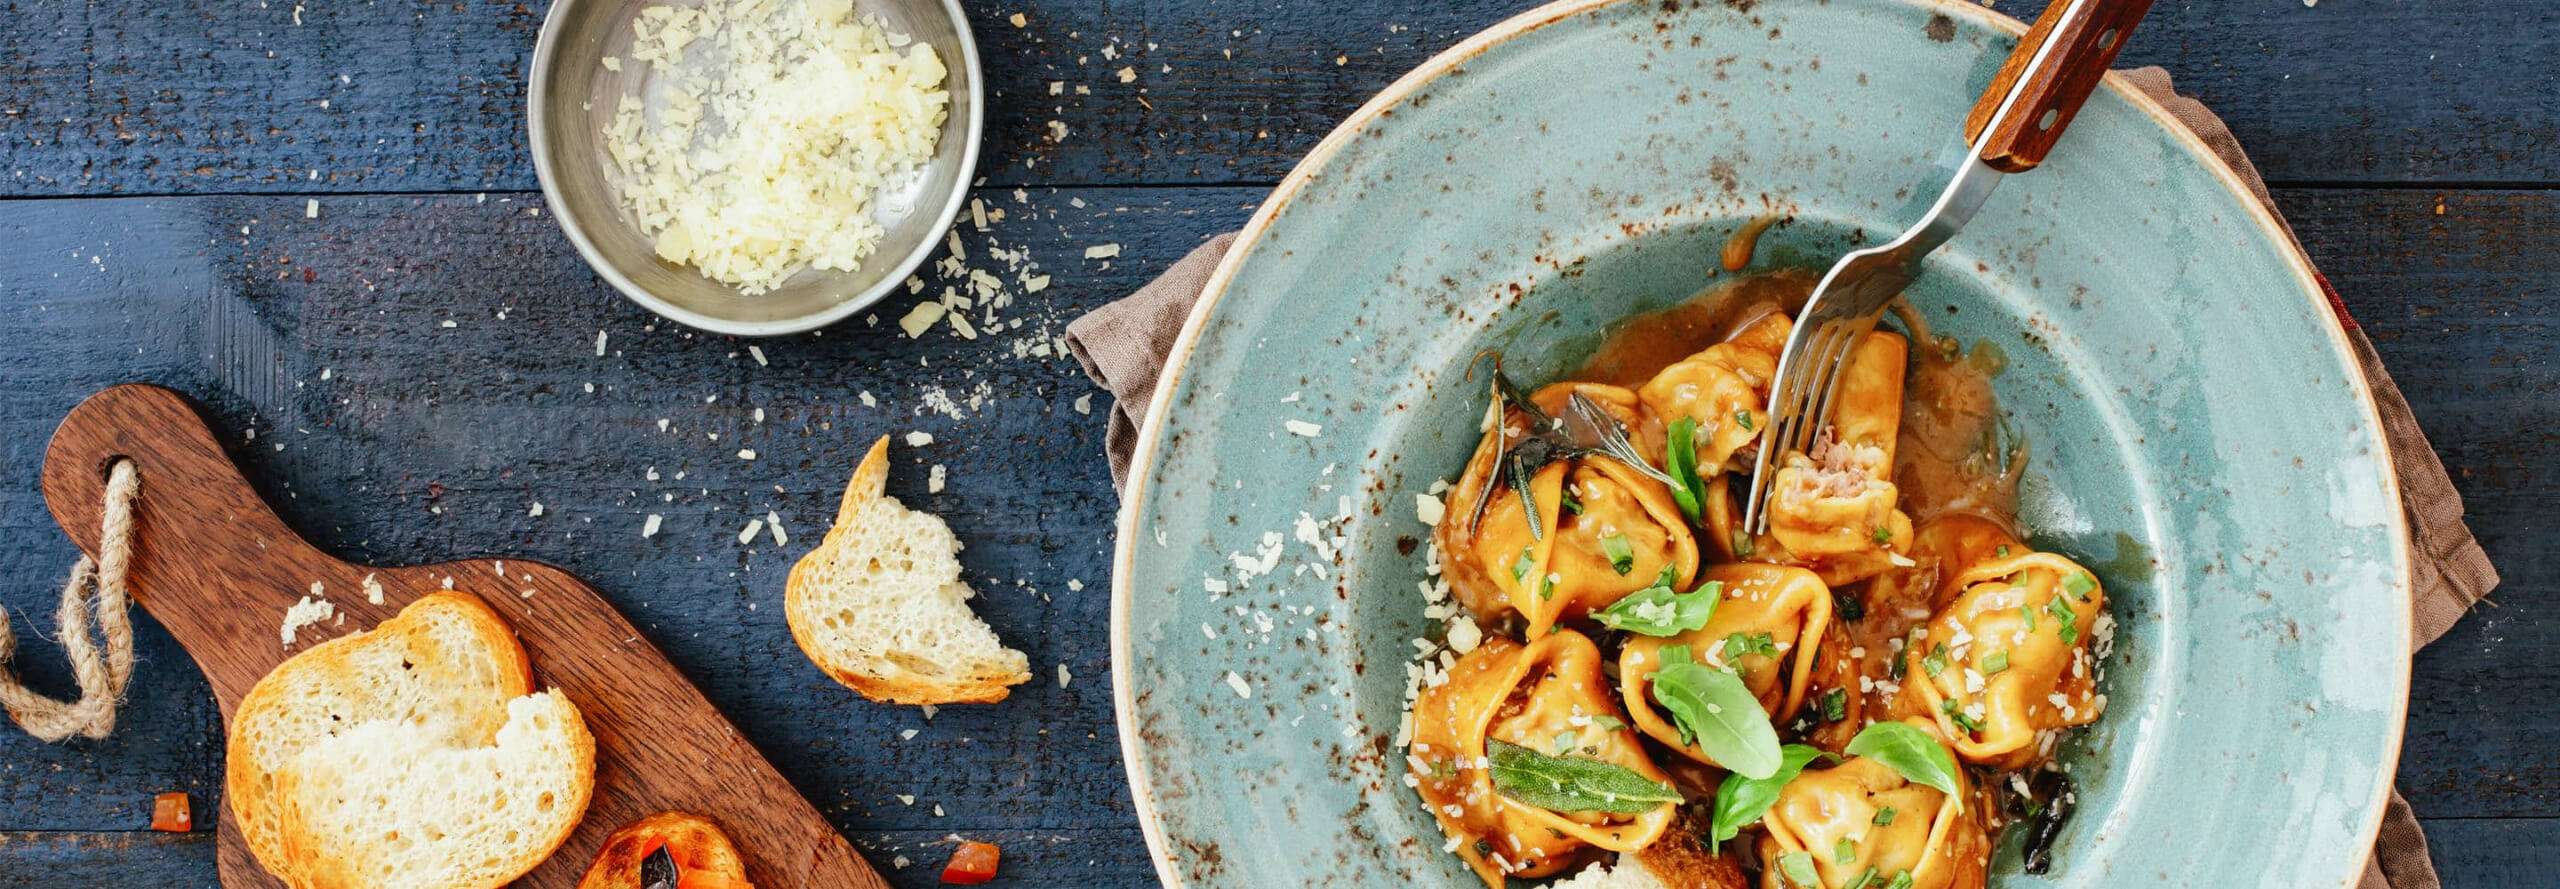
x: 1862, y: 697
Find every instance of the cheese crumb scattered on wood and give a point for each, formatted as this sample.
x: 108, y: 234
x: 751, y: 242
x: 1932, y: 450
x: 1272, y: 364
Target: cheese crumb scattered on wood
x: 372, y: 590
x: 919, y: 439
x: 754, y: 527
x: 305, y: 613
x: 1128, y: 75
x: 921, y: 318
x: 311, y: 209
x: 757, y: 352
x: 1084, y: 403
x: 1302, y: 427
x: 764, y: 151
x: 650, y: 527
x: 774, y: 521
x: 1102, y: 251
x: 934, y: 478
x: 1019, y: 20
x: 746, y: 453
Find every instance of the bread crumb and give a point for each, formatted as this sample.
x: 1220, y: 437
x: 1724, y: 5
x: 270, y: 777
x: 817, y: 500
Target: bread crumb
x: 1019, y: 20
x: 372, y: 590
x: 305, y: 613
x: 934, y: 478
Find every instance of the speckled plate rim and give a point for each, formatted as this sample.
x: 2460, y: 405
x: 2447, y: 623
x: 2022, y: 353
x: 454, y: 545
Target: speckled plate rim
x: 1133, y: 492
x: 544, y: 51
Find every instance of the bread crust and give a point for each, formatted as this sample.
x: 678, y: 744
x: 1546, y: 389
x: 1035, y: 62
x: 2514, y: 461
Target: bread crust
x: 696, y: 841
x: 247, y: 785
x: 868, y: 485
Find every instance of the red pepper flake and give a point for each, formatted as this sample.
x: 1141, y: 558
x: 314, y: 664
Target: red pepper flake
x: 972, y: 863
x: 170, y: 812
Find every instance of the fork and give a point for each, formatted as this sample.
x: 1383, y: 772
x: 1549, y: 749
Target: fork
x: 2012, y: 126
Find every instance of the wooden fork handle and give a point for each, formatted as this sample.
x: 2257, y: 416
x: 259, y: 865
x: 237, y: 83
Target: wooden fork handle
x: 2085, y: 35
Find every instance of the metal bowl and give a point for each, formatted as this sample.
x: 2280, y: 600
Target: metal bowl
x: 573, y: 99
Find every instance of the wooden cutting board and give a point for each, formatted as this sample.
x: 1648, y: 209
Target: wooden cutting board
x: 217, y: 567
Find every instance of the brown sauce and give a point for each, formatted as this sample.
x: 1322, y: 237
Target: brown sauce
x: 1641, y: 346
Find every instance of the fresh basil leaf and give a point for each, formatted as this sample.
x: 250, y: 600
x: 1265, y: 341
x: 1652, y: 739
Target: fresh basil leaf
x: 1681, y: 453
x: 1910, y: 751
x: 1657, y: 611
x: 1718, y: 711
x: 1676, y: 654
x: 1573, y: 783
x: 1622, y: 557
x: 1741, y: 801
x: 1798, y: 866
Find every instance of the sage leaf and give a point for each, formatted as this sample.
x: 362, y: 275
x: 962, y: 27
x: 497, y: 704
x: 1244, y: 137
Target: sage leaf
x: 1715, y: 711
x: 1910, y: 751
x: 1740, y: 801
x: 1573, y: 783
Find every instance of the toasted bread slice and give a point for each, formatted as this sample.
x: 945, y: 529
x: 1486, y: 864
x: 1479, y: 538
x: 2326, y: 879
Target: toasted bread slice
x: 697, y: 845
x: 880, y: 606
x: 411, y: 755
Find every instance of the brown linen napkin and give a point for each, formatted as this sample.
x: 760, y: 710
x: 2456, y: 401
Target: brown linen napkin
x: 1123, y: 347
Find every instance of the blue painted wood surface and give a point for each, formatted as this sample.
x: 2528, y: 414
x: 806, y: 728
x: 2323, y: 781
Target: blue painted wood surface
x: 156, y: 159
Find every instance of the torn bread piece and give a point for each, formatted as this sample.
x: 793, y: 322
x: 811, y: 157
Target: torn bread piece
x: 414, y: 755
x: 880, y: 606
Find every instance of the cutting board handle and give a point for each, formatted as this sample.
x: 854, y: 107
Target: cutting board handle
x: 160, y: 431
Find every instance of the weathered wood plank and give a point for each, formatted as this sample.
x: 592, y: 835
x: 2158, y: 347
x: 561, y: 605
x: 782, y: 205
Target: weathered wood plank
x: 204, y: 96
x: 389, y: 437
x: 1110, y: 857
x: 2461, y: 292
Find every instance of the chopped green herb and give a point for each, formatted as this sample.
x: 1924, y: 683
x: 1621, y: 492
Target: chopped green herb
x: 2070, y: 634
x: 1547, y: 588
x: 1622, y: 557
x: 1900, y: 881
x: 1835, y: 705
x: 1716, y: 712
x: 1572, y: 504
x: 1658, y: 611
x: 1884, y: 817
x: 1608, y: 723
x: 2002, y: 552
x: 1843, y: 852
x: 1520, y: 566
x: 1798, y: 866
x: 1864, y: 879
x: 1995, y: 662
x: 1681, y: 453
x: 1741, y: 801
x: 2030, y: 613
x: 1742, y: 419
x: 1910, y: 751
x: 1893, y: 669
x: 1935, y: 662
x: 1573, y: 784
x: 1564, y: 742
x: 2079, y: 584
x: 1742, y: 544
x: 1965, y: 722
x: 1883, y: 534
x: 1947, y: 705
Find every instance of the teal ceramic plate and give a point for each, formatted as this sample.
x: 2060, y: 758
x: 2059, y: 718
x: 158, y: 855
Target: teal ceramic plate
x: 2200, y: 435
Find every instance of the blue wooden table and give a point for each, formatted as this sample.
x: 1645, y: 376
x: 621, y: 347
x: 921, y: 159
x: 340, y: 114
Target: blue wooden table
x: 321, y: 220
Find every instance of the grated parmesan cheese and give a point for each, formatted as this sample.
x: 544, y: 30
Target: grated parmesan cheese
x: 305, y: 613
x: 768, y: 132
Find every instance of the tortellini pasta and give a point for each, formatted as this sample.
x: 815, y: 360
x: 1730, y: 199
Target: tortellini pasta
x: 1552, y: 697
x: 1861, y: 820
x: 2008, y: 660
x: 1724, y: 389
x: 1769, y: 627
x: 1601, y: 528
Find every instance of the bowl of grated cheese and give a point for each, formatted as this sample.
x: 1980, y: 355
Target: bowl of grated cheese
x: 755, y: 167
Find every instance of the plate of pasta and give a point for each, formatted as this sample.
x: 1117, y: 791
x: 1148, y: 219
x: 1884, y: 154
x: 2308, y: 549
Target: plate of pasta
x: 1431, y: 571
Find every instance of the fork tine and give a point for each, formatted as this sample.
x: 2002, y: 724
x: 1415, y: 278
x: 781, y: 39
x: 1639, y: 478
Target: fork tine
x: 1787, y: 409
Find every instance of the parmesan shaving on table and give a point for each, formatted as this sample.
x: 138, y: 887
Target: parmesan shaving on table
x: 769, y: 133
